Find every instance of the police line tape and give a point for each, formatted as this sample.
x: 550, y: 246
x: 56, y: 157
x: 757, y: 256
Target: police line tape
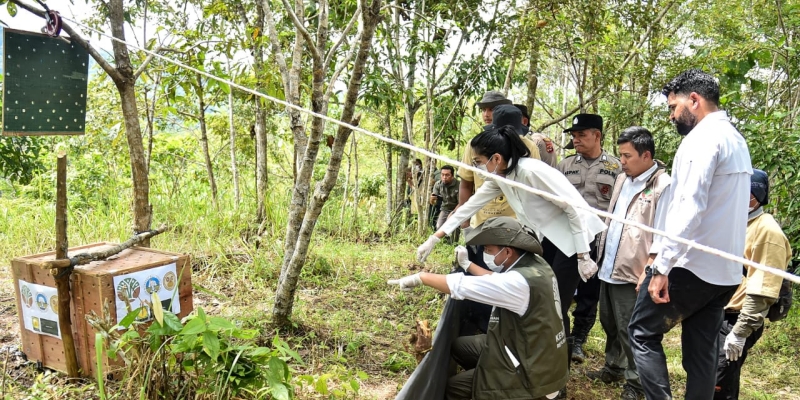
x: 691, y: 243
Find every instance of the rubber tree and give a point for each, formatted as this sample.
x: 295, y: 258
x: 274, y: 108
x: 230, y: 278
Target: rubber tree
x: 305, y: 209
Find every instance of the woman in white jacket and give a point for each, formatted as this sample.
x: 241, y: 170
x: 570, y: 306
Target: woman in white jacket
x: 501, y: 152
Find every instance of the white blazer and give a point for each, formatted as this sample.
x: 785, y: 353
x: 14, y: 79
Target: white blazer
x: 568, y: 228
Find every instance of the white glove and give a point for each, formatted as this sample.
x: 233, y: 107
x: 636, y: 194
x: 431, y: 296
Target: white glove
x: 462, y: 257
x: 425, y: 249
x: 407, y: 283
x: 586, y: 268
x: 734, y: 346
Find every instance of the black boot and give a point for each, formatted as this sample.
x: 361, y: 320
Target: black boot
x: 580, y: 332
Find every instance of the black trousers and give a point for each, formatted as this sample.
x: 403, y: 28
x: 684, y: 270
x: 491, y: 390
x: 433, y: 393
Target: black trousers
x: 566, y: 272
x: 696, y: 305
x: 475, y: 316
x: 728, y: 372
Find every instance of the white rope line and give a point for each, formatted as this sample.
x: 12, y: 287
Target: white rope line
x: 691, y: 243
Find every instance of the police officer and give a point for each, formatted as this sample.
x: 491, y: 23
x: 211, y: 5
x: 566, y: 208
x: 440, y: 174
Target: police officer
x: 592, y: 171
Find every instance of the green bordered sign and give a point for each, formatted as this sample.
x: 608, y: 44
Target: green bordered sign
x: 44, y: 85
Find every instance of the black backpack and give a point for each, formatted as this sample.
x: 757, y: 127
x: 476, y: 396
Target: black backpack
x: 780, y: 309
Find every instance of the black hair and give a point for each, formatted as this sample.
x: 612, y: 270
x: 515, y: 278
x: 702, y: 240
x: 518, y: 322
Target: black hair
x: 694, y: 80
x: 640, y: 138
x: 504, y: 141
x: 449, y: 168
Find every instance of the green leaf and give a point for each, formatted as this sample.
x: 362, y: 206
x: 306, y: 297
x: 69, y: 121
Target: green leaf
x: 211, y: 344
x: 219, y: 323
x: 279, y: 391
x: 279, y: 367
x: 129, y: 318
x: 172, y: 322
x: 321, y: 386
x: 12, y: 9
x: 195, y: 326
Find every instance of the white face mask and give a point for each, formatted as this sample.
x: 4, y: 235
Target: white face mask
x: 488, y: 259
x: 483, y: 168
x: 751, y: 209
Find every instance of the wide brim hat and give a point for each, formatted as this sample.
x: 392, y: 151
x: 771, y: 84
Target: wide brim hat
x: 492, y: 99
x: 505, y: 231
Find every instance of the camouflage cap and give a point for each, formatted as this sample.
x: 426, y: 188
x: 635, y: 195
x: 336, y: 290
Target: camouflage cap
x: 505, y: 231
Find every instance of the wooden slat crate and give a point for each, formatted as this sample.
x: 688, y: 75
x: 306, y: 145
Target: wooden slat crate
x: 92, y: 288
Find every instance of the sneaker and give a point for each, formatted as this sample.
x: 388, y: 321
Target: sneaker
x: 562, y: 394
x: 631, y: 393
x: 603, y: 375
x: 577, y: 353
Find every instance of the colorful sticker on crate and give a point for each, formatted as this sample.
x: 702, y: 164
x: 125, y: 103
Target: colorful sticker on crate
x: 40, y: 313
x: 130, y: 296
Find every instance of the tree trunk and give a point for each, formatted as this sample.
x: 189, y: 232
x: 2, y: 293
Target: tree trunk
x: 234, y: 171
x: 260, y: 124
x: 533, y: 74
x: 287, y: 284
x: 201, y: 117
x: 390, y: 206
x: 141, y: 184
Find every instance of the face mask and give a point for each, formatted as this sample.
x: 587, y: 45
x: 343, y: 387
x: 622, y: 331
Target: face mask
x: 488, y: 259
x: 751, y: 209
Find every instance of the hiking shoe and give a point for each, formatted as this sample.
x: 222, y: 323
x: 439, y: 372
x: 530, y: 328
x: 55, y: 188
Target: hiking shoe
x: 603, y: 375
x: 631, y: 393
x: 577, y: 353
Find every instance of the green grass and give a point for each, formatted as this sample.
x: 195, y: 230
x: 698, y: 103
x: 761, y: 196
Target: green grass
x: 346, y: 317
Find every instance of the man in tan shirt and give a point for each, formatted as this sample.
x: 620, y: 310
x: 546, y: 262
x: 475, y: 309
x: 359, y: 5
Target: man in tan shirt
x: 765, y: 243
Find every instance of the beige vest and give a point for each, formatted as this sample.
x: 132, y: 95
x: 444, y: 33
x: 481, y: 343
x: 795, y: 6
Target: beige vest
x: 634, y: 244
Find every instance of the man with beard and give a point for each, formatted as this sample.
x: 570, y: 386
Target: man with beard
x: 709, y: 192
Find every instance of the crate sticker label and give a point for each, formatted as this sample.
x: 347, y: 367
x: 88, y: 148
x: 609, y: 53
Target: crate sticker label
x: 39, y: 308
x: 135, y: 290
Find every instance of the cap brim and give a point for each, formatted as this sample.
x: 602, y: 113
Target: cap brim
x: 492, y: 104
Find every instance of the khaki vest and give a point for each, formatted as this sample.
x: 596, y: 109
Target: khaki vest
x: 536, y: 339
x: 634, y: 244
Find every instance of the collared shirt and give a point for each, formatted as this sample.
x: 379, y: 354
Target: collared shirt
x: 507, y: 289
x: 570, y: 229
x: 498, y: 206
x: 449, y: 194
x: 709, y: 199
x: 629, y: 190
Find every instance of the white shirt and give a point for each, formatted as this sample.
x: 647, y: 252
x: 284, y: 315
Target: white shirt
x: 709, y: 198
x: 570, y: 229
x: 507, y: 289
x: 630, y: 187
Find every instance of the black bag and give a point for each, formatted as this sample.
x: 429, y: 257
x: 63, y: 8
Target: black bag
x: 429, y: 379
x: 780, y: 309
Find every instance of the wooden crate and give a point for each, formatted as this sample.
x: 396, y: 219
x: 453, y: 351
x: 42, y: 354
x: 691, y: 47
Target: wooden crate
x: 92, y: 287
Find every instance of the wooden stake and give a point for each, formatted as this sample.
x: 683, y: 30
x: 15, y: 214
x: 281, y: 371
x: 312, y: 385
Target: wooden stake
x: 62, y: 275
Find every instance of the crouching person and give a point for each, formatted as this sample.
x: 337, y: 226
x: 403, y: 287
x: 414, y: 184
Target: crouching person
x: 524, y: 353
x: 766, y: 244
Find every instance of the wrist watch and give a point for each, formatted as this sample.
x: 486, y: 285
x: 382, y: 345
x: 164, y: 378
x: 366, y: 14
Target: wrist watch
x: 652, y: 270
